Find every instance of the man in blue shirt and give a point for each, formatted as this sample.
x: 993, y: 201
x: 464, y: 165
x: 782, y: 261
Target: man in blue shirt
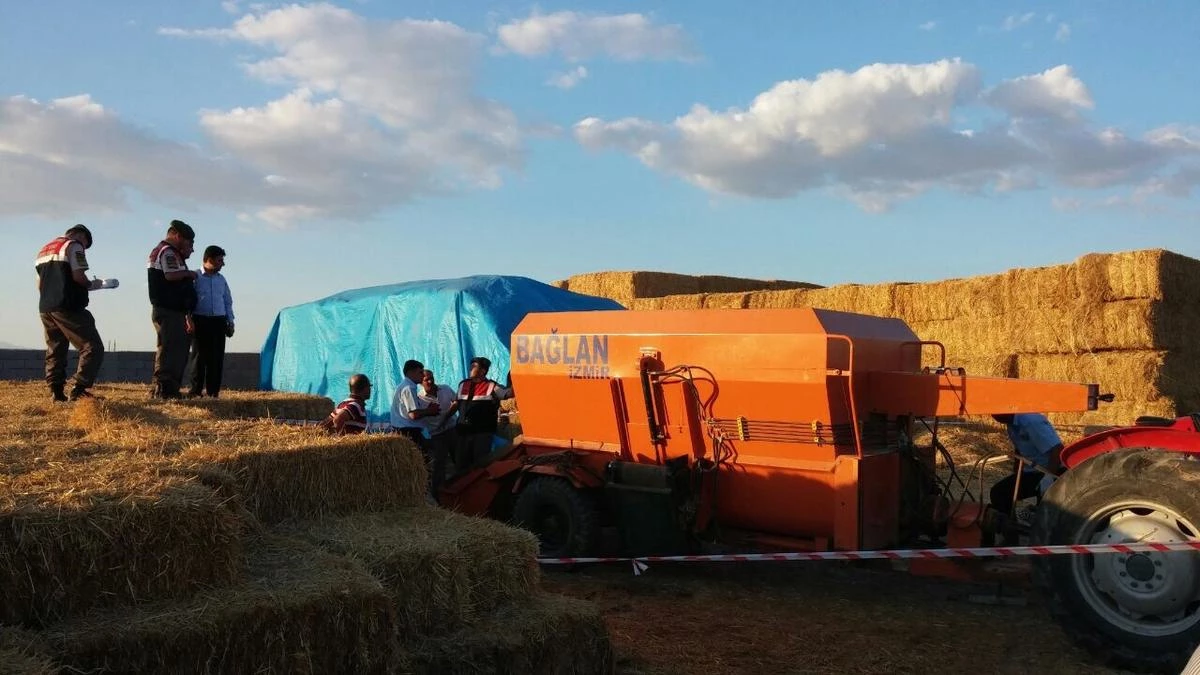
x: 210, y: 324
x: 1034, y: 439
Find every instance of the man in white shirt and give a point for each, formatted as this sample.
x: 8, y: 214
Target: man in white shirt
x: 407, y: 414
x: 210, y: 324
x: 440, y: 439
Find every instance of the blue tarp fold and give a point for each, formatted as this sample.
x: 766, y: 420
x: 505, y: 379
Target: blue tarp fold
x: 314, y: 348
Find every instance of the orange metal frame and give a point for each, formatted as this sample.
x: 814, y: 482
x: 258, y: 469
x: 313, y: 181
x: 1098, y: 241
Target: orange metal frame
x: 806, y: 402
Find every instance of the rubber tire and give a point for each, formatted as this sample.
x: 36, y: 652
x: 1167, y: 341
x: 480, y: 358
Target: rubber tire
x: 1168, y: 478
x: 574, y: 506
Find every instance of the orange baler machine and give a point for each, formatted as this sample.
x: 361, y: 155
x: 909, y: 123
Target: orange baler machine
x: 796, y: 419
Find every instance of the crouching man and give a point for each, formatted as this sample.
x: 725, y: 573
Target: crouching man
x: 350, y: 416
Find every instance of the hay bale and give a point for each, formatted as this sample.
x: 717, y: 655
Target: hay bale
x: 240, y: 405
x: 877, y: 300
x: 615, y: 285
x: 1132, y: 376
x: 1154, y: 274
x: 1083, y: 327
x: 725, y: 300
x: 23, y: 653
x: 646, y: 303
x: 722, y: 285
x: 778, y: 299
x: 108, y: 530
x: 547, y: 634
x: 1119, y: 413
x: 443, y: 570
x: 949, y: 299
x: 298, y: 610
x: 625, y: 287
x: 282, y: 472
x: 680, y: 302
x: 139, y: 427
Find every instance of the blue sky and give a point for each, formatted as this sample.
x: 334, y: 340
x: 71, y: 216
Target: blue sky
x: 337, y: 146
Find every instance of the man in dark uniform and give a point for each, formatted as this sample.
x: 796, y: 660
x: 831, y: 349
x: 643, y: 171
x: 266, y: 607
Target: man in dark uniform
x: 63, y: 286
x: 172, y: 297
x: 478, y: 408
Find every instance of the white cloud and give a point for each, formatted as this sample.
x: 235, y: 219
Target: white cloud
x: 71, y: 155
x: 231, y: 6
x: 578, y: 37
x: 928, y: 25
x: 1055, y: 92
x: 1066, y: 204
x: 1063, y: 33
x: 1014, y: 21
x: 886, y: 132
x: 569, y: 79
x: 380, y: 113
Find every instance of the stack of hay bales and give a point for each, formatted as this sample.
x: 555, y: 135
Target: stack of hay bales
x: 627, y: 286
x: 149, y: 537
x: 1125, y: 321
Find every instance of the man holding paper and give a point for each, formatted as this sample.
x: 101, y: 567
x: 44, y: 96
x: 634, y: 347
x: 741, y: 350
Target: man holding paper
x: 63, y: 285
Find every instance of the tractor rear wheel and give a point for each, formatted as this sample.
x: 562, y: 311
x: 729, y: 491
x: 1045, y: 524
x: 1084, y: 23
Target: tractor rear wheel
x: 1140, y: 611
x: 565, y: 519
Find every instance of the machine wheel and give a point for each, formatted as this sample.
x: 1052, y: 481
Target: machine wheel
x: 564, y: 519
x: 1140, y: 611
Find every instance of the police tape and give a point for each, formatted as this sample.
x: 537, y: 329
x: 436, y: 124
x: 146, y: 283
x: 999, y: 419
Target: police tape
x: 641, y: 563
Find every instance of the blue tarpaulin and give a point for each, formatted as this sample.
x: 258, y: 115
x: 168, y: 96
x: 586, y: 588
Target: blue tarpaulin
x: 314, y: 348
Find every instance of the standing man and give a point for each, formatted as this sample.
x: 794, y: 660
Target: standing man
x: 63, y: 286
x: 407, y: 415
x: 478, y: 408
x: 441, y: 439
x: 212, y: 322
x: 172, y: 297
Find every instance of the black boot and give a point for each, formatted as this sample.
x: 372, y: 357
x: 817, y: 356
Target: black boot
x: 78, y: 393
x: 57, y: 395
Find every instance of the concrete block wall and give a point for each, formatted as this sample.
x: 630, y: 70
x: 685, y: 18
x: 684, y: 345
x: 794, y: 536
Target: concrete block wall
x: 241, y: 369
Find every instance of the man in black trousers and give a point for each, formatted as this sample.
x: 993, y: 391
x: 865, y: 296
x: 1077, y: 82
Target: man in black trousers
x: 211, y: 323
x: 172, y: 299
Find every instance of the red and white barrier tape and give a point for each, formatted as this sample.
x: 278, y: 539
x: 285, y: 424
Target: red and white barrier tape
x: 640, y: 564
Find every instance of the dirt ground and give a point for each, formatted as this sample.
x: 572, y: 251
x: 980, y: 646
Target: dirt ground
x: 828, y: 617
x: 816, y: 617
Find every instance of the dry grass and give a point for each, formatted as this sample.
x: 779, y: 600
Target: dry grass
x: 263, y: 405
x: 87, y: 523
x: 545, y: 634
x: 282, y: 472
x: 441, y: 569
x: 24, y: 653
x: 299, y: 610
x: 123, y: 500
x: 66, y: 553
x: 146, y: 537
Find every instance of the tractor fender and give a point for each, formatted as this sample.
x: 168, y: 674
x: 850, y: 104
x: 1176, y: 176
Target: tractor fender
x: 565, y: 465
x: 1180, y: 436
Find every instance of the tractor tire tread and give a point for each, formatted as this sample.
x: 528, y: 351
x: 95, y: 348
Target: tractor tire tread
x: 1147, y: 464
x: 580, y: 507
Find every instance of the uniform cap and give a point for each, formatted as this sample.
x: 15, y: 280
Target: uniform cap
x: 84, y: 231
